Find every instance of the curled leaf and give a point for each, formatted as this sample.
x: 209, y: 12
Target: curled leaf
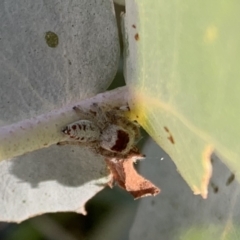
x: 124, y: 173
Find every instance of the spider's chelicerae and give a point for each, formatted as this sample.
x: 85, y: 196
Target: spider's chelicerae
x: 108, y: 133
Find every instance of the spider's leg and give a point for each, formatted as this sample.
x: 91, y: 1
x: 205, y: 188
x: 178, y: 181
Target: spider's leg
x: 100, y: 116
x: 90, y: 145
x: 108, y: 154
x: 95, y: 113
x: 76, y: 143
x: 83, y: 113
x: 133, y: 153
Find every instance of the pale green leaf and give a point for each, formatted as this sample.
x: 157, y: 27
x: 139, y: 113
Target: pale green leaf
x: 182, y: 68
x: 52, y: 55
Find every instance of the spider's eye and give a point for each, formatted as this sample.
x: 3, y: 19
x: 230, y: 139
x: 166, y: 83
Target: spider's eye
x: 121, y: 141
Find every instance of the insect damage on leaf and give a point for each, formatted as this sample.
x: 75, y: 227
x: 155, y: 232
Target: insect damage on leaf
x: 136, y: 36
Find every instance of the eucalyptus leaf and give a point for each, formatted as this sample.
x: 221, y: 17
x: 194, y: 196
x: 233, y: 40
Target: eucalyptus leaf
x: 176, y: 213
x: 183, y: 74
x: 52, y: 54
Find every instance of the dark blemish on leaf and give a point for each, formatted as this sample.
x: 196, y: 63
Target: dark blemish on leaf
x: 166, y: 129
x: 69, y: 62
x: 51, y: 39
x: 134, y: 26
x: 45, y: 144
x: 170, y: 137
x: 214, y: 187
x: 230, y: 179
x: 136, y: 36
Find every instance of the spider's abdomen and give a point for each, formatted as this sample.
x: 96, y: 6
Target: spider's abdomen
x: 83, y: 131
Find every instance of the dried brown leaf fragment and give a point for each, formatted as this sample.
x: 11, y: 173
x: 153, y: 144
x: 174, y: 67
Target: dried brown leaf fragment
x: 124, y: 173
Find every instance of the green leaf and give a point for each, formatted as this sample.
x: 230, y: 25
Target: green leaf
x: 52, y: 54
x: 182, y: 69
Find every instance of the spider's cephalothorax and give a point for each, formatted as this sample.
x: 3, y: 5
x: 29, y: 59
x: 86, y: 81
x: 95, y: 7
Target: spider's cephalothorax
x: 109, y: 133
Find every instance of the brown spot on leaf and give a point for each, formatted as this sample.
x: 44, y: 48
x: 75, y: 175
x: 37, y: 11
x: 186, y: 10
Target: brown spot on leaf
x: 136, y: 37
x: 230, y: 179
x: 124, y: 173
x: 170, y: 137
x: 134, y: 26
x: 166, y: 129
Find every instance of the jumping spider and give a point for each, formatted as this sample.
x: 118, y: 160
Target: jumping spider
x: 108, y: 133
